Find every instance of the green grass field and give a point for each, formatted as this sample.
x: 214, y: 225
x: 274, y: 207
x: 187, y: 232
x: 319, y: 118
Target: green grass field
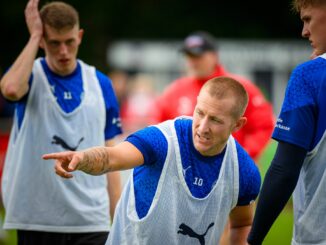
x: 7, y: 237
x: 281, y: 231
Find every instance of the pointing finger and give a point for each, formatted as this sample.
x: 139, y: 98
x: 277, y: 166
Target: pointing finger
x: 58, y: 155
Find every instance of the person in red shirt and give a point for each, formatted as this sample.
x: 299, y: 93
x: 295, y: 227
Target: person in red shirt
x: 202, y: 63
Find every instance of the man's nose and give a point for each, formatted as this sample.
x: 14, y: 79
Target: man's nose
x: 63, y: 48
x: 203, y: 125
x: 305, y: 31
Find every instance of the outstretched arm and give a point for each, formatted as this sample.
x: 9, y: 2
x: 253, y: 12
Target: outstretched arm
x: 114, y: 185
x: 14, y: 84
x: 97, y: 160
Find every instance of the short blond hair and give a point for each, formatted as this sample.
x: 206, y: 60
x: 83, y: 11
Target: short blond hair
x: 226, y: 87
x: 300, y: 4
x: 59, y: 15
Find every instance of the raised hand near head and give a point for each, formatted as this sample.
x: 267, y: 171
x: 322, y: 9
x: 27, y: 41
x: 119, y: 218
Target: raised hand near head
x: 33, y: 19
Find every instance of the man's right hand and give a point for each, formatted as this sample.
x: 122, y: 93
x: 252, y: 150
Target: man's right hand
x: 65, y: 162
x: 93, y: 161
x: 33, y: 19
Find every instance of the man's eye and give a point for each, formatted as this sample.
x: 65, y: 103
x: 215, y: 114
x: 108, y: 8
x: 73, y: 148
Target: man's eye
x: 69, y: 42
x: 200, y: 113
x: 216, y: 120
x: 54, y: 44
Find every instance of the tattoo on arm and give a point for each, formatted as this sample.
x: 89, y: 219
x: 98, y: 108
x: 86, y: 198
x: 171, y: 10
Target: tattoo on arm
x: 96, y: 161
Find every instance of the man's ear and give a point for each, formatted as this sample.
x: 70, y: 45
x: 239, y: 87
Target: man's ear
x: 80, y: 35
x: 239, y: 124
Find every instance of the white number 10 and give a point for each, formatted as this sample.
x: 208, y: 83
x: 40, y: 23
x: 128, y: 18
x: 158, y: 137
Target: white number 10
x: 198, y: 181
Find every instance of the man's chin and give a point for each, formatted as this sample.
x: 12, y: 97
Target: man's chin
x: 200, y: 148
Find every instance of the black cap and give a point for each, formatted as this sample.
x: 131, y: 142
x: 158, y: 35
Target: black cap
x: 198, y: 42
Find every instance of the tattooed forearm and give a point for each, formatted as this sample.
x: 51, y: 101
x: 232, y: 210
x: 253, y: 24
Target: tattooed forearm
x: 96, y: 161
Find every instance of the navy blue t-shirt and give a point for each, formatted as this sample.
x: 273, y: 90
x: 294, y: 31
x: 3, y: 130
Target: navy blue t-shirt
x: 302, y: 120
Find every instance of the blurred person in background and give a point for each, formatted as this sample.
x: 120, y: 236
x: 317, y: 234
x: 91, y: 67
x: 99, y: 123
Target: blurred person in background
x: 136, y: 96
x: 120, y: 80
x: 61, y: 104
x: 203, y: 63
x: 299, y: 164
x: 137, y: 108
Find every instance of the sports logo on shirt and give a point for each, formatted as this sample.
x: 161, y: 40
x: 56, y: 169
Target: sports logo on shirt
x: 184, y: 170
x: 59, y: 141
x: 116, y: 121
x: 186, y: 230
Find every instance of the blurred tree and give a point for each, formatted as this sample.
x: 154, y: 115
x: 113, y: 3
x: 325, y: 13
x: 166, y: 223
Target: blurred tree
x: 105, y: 21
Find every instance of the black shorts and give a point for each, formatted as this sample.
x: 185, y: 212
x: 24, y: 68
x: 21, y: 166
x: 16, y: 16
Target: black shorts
x: 53, y: 238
